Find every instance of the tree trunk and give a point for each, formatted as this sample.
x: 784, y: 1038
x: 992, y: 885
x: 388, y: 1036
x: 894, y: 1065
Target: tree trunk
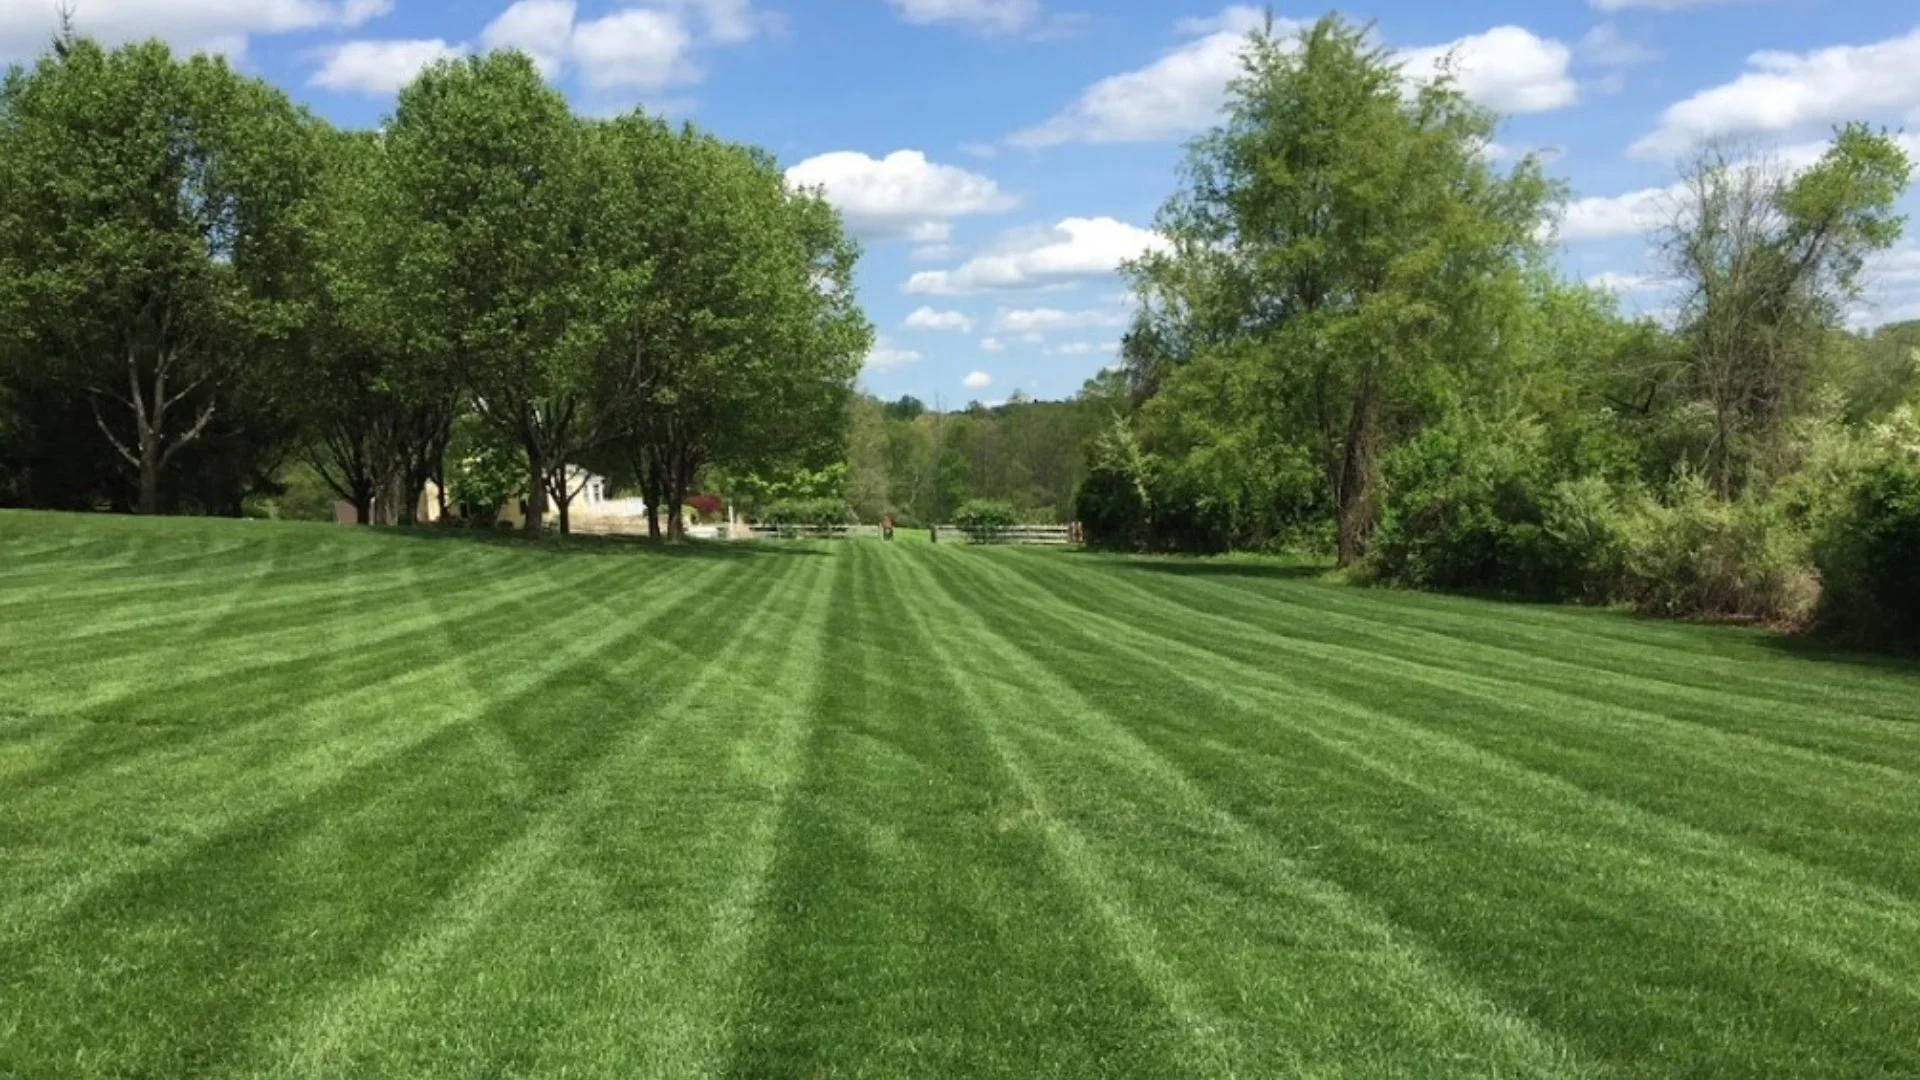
x: 363, y: 507
x: 536, y: 491
x: 1355, y: 496
x: 676, y: 520
x: 650, y: 483
x: 149, y: 471
x: 680, y: 483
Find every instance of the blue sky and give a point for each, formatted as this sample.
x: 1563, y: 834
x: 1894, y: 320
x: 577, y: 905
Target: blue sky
x: 1000, y: 157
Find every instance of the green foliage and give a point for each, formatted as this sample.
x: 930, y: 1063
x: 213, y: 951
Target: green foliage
x: 1464, y: 509
x: 1113, y: 504
x: 300, y: 494
x: 984, y: 520
x: 1770, y: 263
x: 1694, y: 554
x: 1476, y: 505
x: 816, y: 511
x: 156, y: 220
x: 920, y: 464
x: 1868, y: 551
x: 1585, y: 542
x: 485, y: 474
x: 1343, y: 257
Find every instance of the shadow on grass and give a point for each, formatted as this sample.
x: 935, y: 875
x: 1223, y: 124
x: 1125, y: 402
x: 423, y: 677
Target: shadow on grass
x: 1178, y: 566
x: 585, y: 544
x: 1807, y: 647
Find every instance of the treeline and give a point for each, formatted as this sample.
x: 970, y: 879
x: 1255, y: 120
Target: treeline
x: 201, y: 283
x: 1356, y: 344
x: 923, y: 465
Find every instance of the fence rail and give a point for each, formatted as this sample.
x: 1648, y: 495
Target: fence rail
x: 1055, y: 535
x: 1042, y: 535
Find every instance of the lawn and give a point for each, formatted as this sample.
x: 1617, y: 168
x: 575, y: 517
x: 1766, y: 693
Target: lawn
x: 305, y: 801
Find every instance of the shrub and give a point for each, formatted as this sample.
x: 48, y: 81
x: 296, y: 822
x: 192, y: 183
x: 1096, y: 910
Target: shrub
x: 810, y: 512
x: 984, y: 520
x: 1112, y: 502
x: 1583, y: 542
x: 1697, y: 555
x: 1868, y: 552
x: 1461, y: 509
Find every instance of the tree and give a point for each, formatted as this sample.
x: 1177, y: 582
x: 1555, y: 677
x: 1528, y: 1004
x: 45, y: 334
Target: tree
x: 488, y: 164
x: 759, y: 335
x: 380, y: 389
x: 1345, y: 235
x: 154, y: 218
x: 1770, y: 262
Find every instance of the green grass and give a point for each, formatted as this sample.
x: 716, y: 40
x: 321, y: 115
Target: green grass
x: 304, y: 801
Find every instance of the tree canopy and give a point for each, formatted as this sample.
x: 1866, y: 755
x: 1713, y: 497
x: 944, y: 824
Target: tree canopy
x: 191, y: 262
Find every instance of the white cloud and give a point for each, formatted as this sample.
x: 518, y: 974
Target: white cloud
x: 1636, y: 212
x: 1086, y: 348
x: 1238, y: 19
x: 1897, y: 268
x: 377, y: 67
x: 543, y: 29
x: 729, y: 22
x: 1180, y: 93
x: 1650, y: 209
x: 1624, y: 284
x: 1789, y: 92
x: 1892, y: 281
x: 900, y: 195
x: 886, y: 356
x: 27, y: 26
x: 631, y: 49
x: 985, y: 16
x: 927, y: 318
x: 637, y: 48
x: 1074, y: 249
x: 977, y: 380
x: 1052, y: 320
x: 1606, y: 46
x: 992, y: 345
x: 927, y: 253
x: 1506, y: 68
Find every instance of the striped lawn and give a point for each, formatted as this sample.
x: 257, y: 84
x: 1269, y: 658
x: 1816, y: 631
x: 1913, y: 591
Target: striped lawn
x: 301, y: 801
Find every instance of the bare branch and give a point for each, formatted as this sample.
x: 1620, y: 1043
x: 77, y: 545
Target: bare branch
x: 199, y: 425
x: 132, y: 458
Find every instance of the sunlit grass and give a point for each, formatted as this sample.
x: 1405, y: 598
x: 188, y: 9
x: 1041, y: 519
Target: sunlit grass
x: 310, y: 801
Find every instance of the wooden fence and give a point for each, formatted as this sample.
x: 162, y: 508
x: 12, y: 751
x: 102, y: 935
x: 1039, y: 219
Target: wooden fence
x: 1051, y: 535
x: 1044, y: 535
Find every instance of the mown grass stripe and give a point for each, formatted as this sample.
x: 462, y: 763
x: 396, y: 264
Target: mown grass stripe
x: 299, y: 801
x: 195, y: 809
x: 1632, y: 755
x: 368, y: 1024
x: 1863, y: 936
x: 1462, y: 1030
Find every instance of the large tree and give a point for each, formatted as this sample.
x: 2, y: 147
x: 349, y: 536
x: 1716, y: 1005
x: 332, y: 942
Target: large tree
x: 1770, y: 262
x: 1344, y: 238
x: 487, y: 160
x: 154, y: 219
x: 754, y: 336
x: 379, y: 385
